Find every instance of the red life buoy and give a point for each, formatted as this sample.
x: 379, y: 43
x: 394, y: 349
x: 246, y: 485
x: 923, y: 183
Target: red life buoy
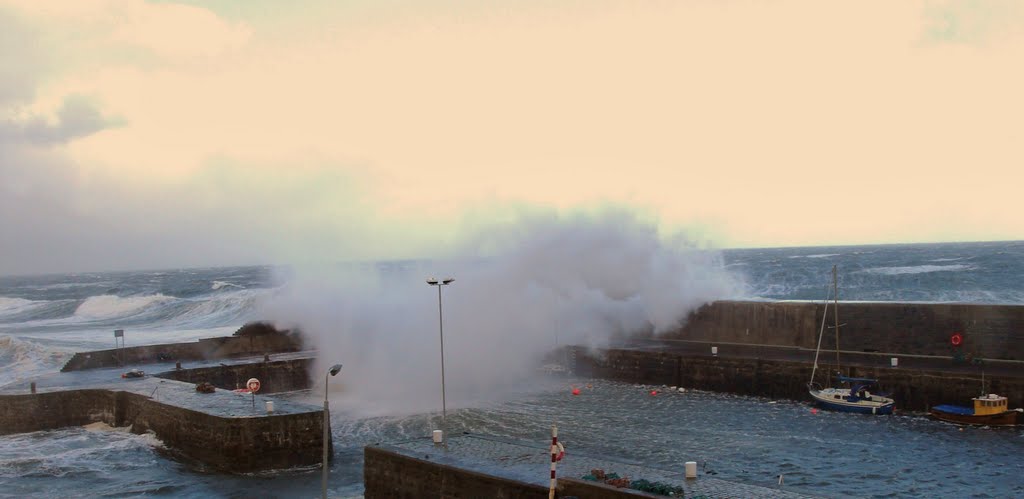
x: 561, y: 452
x: 253, y: 385
x: 956, y: 339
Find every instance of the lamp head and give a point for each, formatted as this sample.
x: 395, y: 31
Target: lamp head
x: 448, y: 280
x: 334, y: 369
x: 431, y: 281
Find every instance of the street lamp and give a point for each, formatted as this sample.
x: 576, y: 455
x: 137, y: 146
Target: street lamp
x: 440, y: 322
x: 333, y: 371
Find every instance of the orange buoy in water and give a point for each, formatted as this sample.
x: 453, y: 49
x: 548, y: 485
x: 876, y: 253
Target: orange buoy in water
x: 575, y: 391
x: 814, y: 411
x: 654, y: 392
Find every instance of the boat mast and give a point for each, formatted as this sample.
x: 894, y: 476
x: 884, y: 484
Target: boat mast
x: 821, y: 333
x: 835, y: 294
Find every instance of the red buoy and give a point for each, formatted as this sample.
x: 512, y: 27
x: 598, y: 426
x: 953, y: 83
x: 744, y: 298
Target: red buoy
x: 575, y: 391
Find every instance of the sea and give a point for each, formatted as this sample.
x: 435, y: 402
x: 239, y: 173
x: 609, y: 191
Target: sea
x: 44, y: 319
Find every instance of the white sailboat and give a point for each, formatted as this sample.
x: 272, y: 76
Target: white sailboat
x: 856, y: 395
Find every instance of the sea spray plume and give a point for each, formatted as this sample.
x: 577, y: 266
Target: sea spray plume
x: 582, y: 277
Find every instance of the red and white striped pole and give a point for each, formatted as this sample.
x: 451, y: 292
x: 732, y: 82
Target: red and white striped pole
x: 554, y: 459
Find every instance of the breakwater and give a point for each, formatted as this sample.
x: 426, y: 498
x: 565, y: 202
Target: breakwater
x: 222, y: 430
x: 271, y: 341
x: 275, y: 376
x: 988, y: 331
x: 228, y: 443
x: 914, y: 389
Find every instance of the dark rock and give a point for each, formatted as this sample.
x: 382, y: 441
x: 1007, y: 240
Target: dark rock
x: 261, y: 328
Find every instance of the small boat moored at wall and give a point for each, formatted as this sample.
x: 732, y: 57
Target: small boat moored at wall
x: 856, y: 396
x: 988, y: 410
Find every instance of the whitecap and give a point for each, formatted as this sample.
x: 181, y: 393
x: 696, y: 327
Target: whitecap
x: 918, y: 269
x: 221, y: 284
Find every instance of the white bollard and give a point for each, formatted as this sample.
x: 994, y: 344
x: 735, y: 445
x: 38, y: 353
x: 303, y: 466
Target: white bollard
x: 270, y: 406
x: 894, y: 361
x: 714, y: 351
x: 691, y: 469
x: 438, y: 436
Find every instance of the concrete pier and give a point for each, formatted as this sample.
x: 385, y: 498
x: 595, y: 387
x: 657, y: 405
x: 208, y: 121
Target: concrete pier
x: 223, y: 430
x: 481, y: 466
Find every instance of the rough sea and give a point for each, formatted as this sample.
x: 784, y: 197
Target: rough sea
x: 45, y: 319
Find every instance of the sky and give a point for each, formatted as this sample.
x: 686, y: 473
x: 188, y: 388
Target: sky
x: 141, y: 135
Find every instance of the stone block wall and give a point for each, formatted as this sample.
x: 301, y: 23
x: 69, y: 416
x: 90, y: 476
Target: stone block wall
x: 390, y: 474
x: 204, y: 349
x: 913, y: 389
x: 241, y: 444
x: 990, y: 331
x: 275, y: 376
x: 47, y: 411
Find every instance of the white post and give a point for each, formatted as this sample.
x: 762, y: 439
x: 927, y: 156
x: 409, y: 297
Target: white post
x: 554, y: 457
x: 691, y: 469
x: 894, y: 361
x: 714, y: 351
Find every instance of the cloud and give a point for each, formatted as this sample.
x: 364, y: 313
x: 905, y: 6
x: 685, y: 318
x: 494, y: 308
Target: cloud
x: 168, y: 30
x: 23, y: 61
x: 973, y: 22
x: 77, y: 117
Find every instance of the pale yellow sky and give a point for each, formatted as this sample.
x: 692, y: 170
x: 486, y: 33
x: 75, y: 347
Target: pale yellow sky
x: 383, y: 129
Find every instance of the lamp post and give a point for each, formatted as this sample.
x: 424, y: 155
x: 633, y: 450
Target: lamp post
x: 333, y: 371
x: 440, y: 323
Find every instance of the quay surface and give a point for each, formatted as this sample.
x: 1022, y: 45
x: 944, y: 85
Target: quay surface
x: 520, y: 469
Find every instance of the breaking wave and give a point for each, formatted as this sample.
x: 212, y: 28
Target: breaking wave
x: 107, y: 306
x: 223, y: 308
x: 23, y: 359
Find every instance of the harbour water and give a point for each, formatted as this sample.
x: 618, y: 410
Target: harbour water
x: 45, y: 319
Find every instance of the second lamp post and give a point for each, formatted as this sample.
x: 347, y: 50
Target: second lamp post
x: 440, y: 322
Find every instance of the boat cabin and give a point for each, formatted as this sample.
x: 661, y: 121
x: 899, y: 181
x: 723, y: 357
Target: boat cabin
x: 990, y: 404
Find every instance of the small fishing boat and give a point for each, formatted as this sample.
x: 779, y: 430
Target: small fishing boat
x: 988, y: 410
x: 856, y: 396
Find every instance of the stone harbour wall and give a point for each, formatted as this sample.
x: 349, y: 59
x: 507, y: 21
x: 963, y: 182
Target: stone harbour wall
x: 275, y: 376
x: 236, y: 444
x: 204, y: 349
x: 990, y: 331
x: 913, y: 389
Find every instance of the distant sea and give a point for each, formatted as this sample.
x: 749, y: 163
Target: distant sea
x: 45, y: 319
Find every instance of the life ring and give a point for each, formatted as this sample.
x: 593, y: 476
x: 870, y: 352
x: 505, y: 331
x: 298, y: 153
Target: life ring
x: 561, y: 452
x: 956, y: 339
x: 253, y: 385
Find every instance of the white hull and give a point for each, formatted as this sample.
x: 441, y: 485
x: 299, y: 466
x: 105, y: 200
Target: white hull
x: 838, y: 399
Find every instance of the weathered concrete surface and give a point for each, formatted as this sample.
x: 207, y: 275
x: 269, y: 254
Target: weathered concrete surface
x: 477, y: 466
x: 990, y: 331
x: 275, y: 376
x: 255, y: 341
x: 913, y: 389
x: 223, y: 430
x: 388, y: 473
